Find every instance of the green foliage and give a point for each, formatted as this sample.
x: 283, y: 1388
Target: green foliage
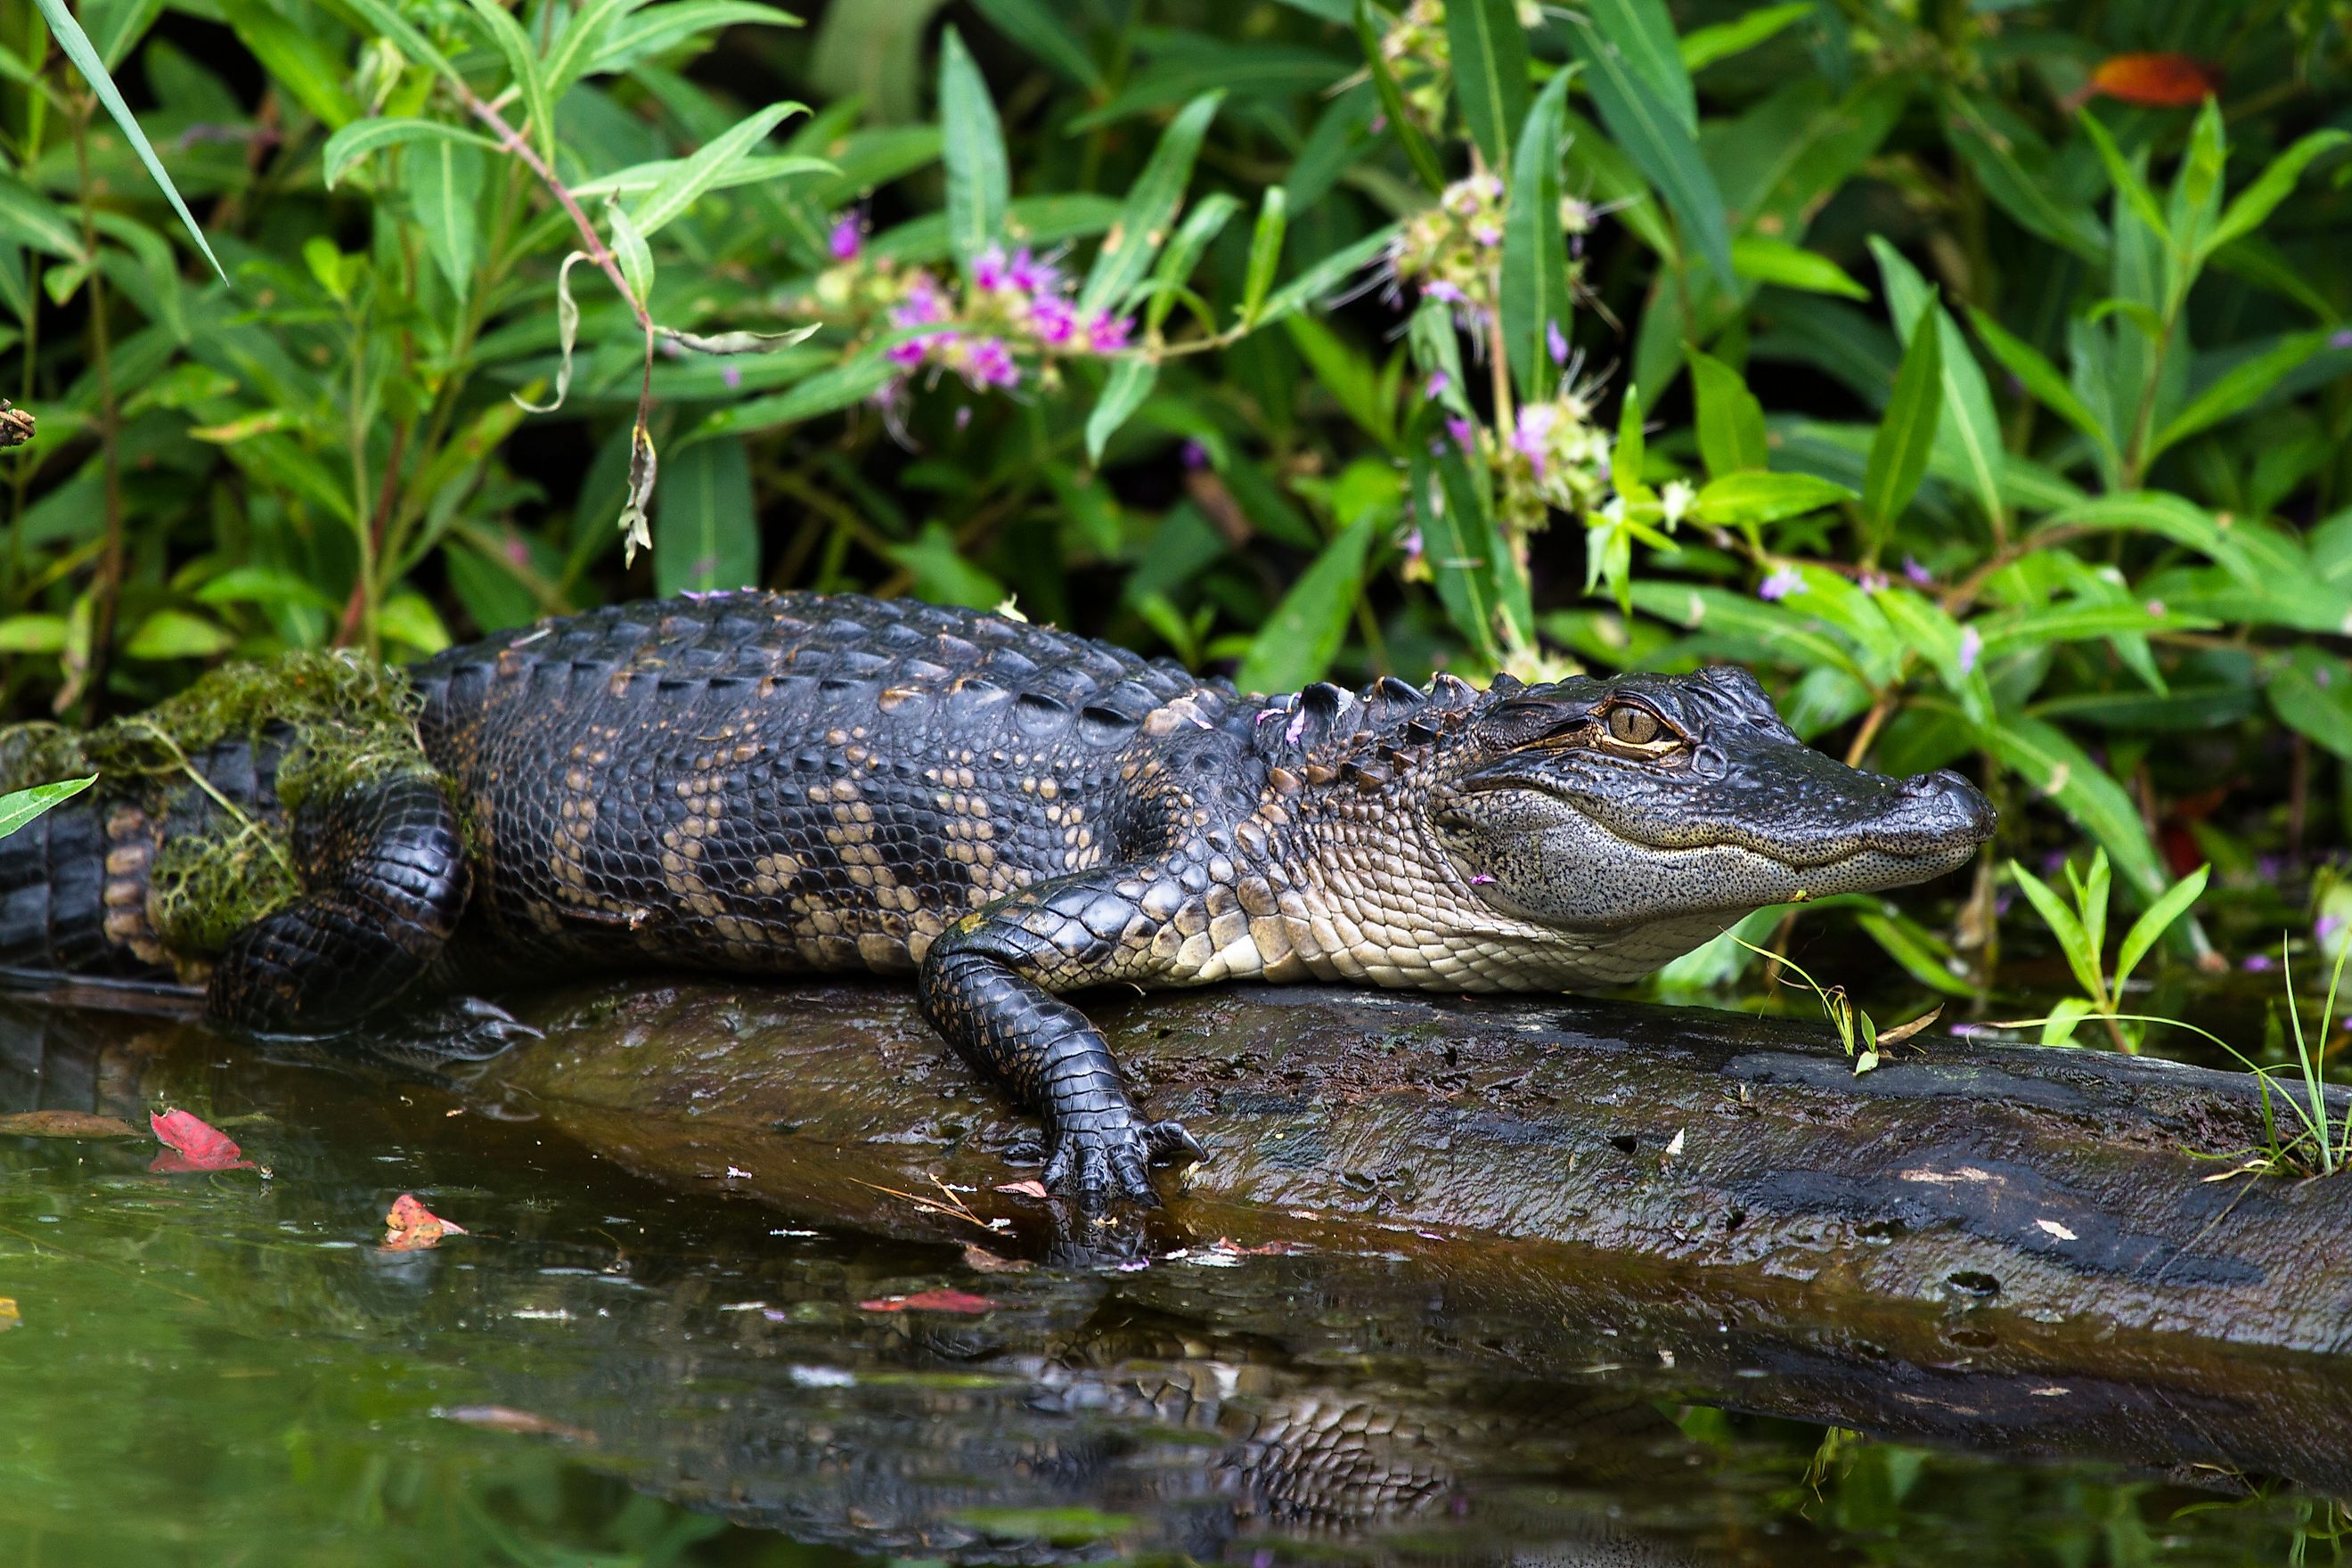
x: 1995, y: 424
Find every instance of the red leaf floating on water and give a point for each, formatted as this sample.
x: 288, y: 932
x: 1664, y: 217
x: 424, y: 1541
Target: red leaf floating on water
x: 2159, y: 82
x: 195, y: 1144
x: 412, y: 1227
x: 931, y: 1301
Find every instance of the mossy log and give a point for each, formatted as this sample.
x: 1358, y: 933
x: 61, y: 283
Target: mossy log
x: 1990, y: 1244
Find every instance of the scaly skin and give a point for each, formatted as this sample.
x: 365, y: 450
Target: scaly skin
x: 765, y: 782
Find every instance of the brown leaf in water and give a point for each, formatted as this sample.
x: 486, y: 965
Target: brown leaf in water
x: 1032, y: 1188
x: 413, y: 1227
x: 65, y: 1124
x: 982, y: 1261
x: 192, y: 1143
x: 507, y: 1418
x: 931, y: 1301
x: 2157, y: 80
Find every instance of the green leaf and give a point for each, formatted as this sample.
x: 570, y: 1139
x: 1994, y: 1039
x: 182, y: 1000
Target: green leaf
x: 1265, y: 253
x: 386, y: 20
x: 1534, y: 300
x: 1042, y: 30
x: 2042, y: 755
x: 21, y: 806
x: 522, y: 62
x: 1489, y: 51
x: 1702, y: 47
x: 1349, y: 377
x: 1457, y: 538
x: 2123, y: 177
x: 2311, y: 692
x: 2239, y: 388
x: 941, y: 573
x: 2028, y: 363
x: 1730, y: 419
x: 758, y: 169
x: 697, y: 175
x: 362, y: 137
x: 1183, y: 254
x: 1130, y: 381
x: 1776, y: 261
x: 2154, y: 919
x: 443, y: 179
x: 1326, y: 275
x: 296, y: 62
x: 979, y: 185
x: 1646, y: 126
x: 1795, y: 641
x: 1968, y: 428
x: 1152, y: 205
x: 1643, y: 34
x: 36, y: 634
x: 583, y: 37
x: 1906, y: 434
x: 2169, y: 516
x: 1417, y: 151
x: 177, y: 634
x: 78, y: 49
x: 1748, y: 498
x: 1907, y: 945
x: 1303, y: 635
x: 710, y: 533
x: 2029, y: 195
x: 629, y: 250
x: 1927, y: 630
x: 30, y: 218
x: 2253, y: 206
x: 2080, y: 953
x: 1625, y: 460
x: 659, y: 27
x: 829, y: 391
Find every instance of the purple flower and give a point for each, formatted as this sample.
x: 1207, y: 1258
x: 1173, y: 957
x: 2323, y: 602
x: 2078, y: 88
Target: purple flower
x: 1196, y: 457
x: 1436, y: 384
x: 1531, y: 434
x: 1412, y: 545
x: 1030, y: 275
x: 849, y: 237
x: 1971, y: 645
x: 1486, y: 232
x: 2327, y: 926
x: 1873, y: 581
x: 2341, y: 339
x: 1782, y: 582
x: 910, y: 352
x: 1461, y: 430
x: 2258, y: 963
x: 963, y: 417
x: 2156, y: 608
x: 1054, y: 323
x: 1439, y: 288
x: 1917, y: 574
x: 733, y: 375
x: 1556, y: 342
x: 1107, y: 333
x: 923, y: 304
x: 989, y: 269
x: 988, y: 363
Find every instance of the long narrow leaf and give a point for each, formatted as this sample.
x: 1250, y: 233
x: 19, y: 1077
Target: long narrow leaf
x: 79, y: 49
x: 1152, y: 205
x: 697, y: 176
x: 1648, y: 128
x: 979, y: 182
x: 1535, y: 295
x: 1490, y: 72
x: 1906, y: 434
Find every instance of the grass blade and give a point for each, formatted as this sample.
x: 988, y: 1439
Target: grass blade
x: 979, y: 184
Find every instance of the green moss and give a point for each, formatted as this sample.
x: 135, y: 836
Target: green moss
x: 341, y: 723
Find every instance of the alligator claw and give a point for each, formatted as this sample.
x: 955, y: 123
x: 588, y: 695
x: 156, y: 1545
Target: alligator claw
x: 469, y: 1028
x: 1096, y: 1164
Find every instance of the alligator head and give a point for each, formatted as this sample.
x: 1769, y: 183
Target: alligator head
x: 1631, y: 818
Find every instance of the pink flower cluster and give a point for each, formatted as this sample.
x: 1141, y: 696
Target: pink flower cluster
x: 1014, y: 304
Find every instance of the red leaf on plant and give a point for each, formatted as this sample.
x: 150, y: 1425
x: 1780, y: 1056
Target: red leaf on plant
x: 2160, y: 82
x: 412, y: 1227
x: 195, y: 1144
x: 931, y: 1301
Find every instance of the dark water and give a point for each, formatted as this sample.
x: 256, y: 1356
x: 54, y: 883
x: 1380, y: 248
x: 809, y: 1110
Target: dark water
x: 227, y: 1368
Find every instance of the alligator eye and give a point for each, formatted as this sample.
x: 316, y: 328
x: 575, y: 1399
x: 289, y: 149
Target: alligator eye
x: 1633, y: 726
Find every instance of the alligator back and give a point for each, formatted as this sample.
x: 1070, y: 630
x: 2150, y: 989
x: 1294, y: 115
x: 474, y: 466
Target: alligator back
x: 792, y: 780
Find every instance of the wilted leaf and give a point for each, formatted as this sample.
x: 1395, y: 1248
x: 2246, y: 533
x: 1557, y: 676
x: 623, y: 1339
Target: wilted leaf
x: 413, y: 1227
x: 1032, y: 1188
x: 193, y: 1144
x: 2159, y: 80
x: 931, y: 1301
x: 1901, y: 1032
x: 65, y: 1124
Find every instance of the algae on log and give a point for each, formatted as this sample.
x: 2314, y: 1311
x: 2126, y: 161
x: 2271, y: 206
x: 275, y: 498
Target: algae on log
x: 2000, y: 1246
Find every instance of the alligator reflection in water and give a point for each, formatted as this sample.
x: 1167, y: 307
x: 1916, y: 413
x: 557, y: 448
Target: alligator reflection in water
x: 1316, y: 1403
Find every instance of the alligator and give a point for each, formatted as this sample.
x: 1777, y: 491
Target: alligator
x: 786, y: 782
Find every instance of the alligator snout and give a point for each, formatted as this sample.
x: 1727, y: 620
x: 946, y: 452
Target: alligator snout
x: 1945, y: 805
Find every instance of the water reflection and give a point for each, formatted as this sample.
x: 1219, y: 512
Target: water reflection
x: 227, y: 1368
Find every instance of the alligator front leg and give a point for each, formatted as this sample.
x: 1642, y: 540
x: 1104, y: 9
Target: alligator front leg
x: 987, y: 985
x: 385, y: 877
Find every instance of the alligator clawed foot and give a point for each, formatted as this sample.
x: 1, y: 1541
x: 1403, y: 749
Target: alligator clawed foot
x: 469, y: 1028
x: 1097, y: 1165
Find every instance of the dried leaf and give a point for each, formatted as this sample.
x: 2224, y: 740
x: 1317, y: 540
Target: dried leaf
x: 635, y: 534
x: 738, y: 342
x: 65, y: 1124
x: 1901, y: 1032
x: 193, y: 1144
x: 2157, y: 80
x: 1032, y: 1188
x: 931, y: 1301
x: 413, y: 1227
x: 567, y: 333
x: 982, y: 1261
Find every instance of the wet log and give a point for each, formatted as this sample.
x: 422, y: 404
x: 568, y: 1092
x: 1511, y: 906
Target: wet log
x: 1993, y: 1245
